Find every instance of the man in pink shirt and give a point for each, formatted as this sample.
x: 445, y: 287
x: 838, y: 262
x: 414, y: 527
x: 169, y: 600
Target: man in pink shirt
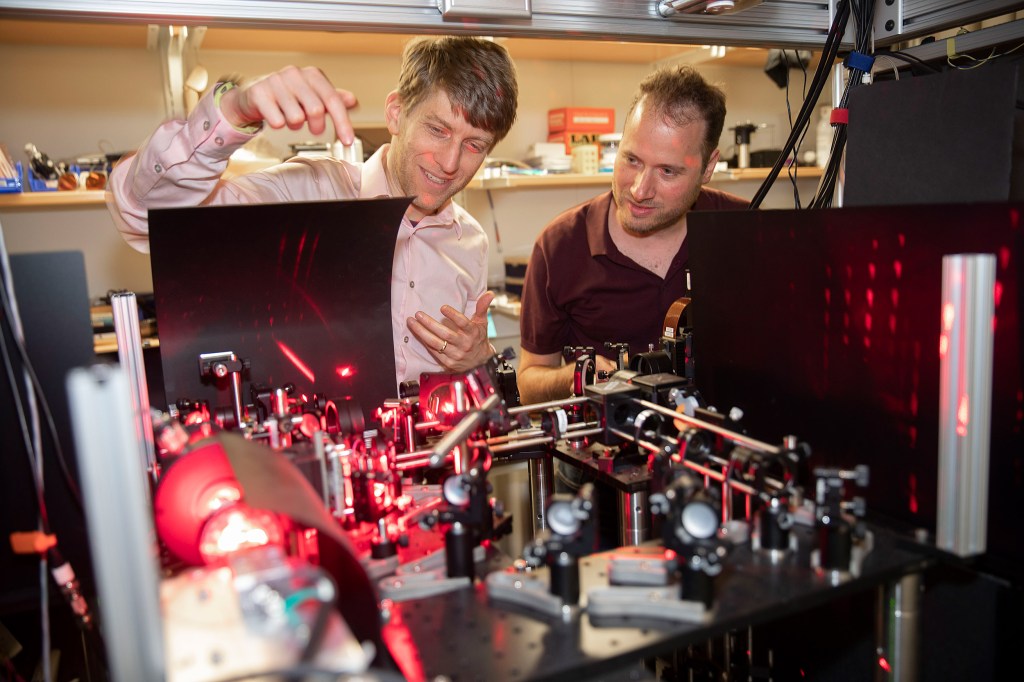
x: 456, y: 99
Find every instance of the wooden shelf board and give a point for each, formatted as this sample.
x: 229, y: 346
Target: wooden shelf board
x: 50, y: 200
x: 577, y: 180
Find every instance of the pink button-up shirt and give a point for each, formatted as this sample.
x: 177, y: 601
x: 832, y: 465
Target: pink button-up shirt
x: 441, y: 260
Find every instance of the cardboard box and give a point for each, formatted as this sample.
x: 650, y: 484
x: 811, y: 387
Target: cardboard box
x: 581, y: 119
x: 585, y: 159
x: 573, y: 138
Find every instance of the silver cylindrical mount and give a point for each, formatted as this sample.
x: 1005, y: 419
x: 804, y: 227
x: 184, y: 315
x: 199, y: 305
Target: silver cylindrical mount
x: 634, y: 518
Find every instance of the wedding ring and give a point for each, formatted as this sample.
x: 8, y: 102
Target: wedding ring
x: 441, y: 350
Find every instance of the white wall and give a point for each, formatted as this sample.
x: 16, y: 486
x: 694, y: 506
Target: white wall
x: 73, y: 101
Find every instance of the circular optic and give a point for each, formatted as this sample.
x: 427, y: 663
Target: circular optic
x: 561, y: 520
x: 699, y: 520
x: 236, y: 528
x: 454, y: 492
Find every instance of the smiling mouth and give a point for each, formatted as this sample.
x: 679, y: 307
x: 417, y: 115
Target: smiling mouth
x: 640, y: 208
x: 435, y: 179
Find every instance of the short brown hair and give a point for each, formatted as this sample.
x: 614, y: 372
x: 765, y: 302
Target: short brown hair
x: 682, y: 95
x: 477, y: 75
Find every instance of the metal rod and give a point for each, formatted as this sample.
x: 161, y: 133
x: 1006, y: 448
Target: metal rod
x: 542, y: 485
x: 726, y: 433
x: 542, y: 440
x: 965, y: 401
x: 406, y: 456
x: 129, y: 355
x: 536, y: 431
x: 538, y: 407
x: 512, y: 447
x: 633, y: 525
x: 462, y: 430
x: 898, y: 643
x: 120, y: 521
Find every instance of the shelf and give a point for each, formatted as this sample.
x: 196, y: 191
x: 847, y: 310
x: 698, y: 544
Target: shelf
x: 738, y: 174
x: 102, y: 346
x: 554, y: 180
x: 605, y: 179
x: 26, y: 201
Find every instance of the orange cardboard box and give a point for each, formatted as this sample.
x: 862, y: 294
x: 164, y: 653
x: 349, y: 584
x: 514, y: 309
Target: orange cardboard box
x: 572, y: 138
x: 581, y: 119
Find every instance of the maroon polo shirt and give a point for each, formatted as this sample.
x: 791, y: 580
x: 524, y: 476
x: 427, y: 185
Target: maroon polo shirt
x: 580, y: 290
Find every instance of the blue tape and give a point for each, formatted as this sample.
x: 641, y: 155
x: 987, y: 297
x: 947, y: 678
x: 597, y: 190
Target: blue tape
x: 861, y: 62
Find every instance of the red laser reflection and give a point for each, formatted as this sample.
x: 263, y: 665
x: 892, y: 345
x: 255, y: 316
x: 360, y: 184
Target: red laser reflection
x: 402, y: 646
x: 296, y: 361
x: 345, y: 371
x: 963, y: 417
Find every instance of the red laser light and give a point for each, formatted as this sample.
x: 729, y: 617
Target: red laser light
x: 296, y: 361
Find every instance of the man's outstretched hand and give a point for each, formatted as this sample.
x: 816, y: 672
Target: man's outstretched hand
x: 292, y: 97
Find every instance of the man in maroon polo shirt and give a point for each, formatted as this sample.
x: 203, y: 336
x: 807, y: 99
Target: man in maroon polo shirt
x: 609, y: 269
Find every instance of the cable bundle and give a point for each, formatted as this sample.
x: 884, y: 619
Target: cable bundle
x: 863, y: 12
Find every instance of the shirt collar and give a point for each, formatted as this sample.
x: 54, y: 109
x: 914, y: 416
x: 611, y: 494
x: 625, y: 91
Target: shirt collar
x: 599, y: 236
x: 375, y: 184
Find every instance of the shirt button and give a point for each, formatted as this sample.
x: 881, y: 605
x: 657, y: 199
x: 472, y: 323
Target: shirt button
x: 158, y: 168
x: 219, y: 141
x: 206, y: 125
x: 412, y: 285
x: 406, y: 339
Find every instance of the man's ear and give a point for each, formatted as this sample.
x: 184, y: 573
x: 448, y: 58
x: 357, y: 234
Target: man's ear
x: 392, y: 111
x: 709, y: 169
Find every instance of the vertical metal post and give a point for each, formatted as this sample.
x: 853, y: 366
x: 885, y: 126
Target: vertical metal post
x: 542, y: 484
x: 119, y: 516
x: 633, y: 521
x: 900, y: 621
x: 838, y: 86
x: 129, y: 354
x: 965, y: 401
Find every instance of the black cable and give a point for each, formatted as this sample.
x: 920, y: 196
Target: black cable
x: 863, y: 11
x: 789, y: 116
x: 911, y: 59
x: 826, y: 187
x: 30, y: 450
x: 69, y: 480
x: 317, y: 632
x: 51, y: 560
x: 828, y: 55
x: 791, y: 169
x: 85, y: 657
